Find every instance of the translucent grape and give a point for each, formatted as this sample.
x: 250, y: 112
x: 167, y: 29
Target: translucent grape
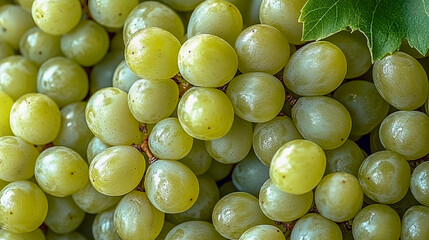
x: 14, y: 22
x: 194, y: 230
x: 6, y: 102
x: 123, y: 77
x: 227, y: 188
x: 315, y: 226
x: 95, y: 146
x: 346, y: 158
x: 92, y: 201
x: 183, y: 6
x: 50, y: 235
x: 262, y: 232
x: 33, y: 235
x: 39, y: 46
x: 102, y: 73
x: 5, y: 50
x: 419, y: 184
x: 414, y: 223
x: 218, y: 170
x: 198, y: 159
x: 111, y: 13
x: 64, y: 215
x: 103, y: 226
x: 165, y: 229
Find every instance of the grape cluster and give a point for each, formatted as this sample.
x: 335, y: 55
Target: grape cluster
x: 171, y: 119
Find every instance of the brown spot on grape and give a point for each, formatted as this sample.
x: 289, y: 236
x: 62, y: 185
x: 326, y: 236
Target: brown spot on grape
x: 119, y: 14
x: 342, y: 139
x: 344, y: 181
x: 191, y: 199
x: 4, y: 29
x: 209, y: 128
x: 40, y: 52
x: 10, y: 213
x: 283, y: 176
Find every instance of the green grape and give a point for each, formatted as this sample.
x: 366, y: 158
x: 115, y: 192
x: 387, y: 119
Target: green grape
x: 6, y: 103
x: 87, y: 43
x: 376, y: 221
x: 17, y: 159
x: 205, y: 113
x: 182, y: 5
x: 316, y: 69
x: 346, y: 158
x: 216, y: 17
x: 198, y: 159
x: 133, y: 208
x: 419, y: 184
x: 60, y: 171
x: 33, y: 235
x: 117, y: 42
x: 404, y: 204
x: 237, y: 212
x: 111, y: 13
x: 414, y: 223
x: 282, y: 206
x: 365, y: 105
x: 153, y: 100
x: 64, y: 215
x: 227, y: 188
x: 103, y: 226
x: 249, y: 10
x: 315, y: 226
x: 56, y: 17
x: 203, y: 207
x: 165, y: 230
x: 401, y: 81
x: 219, y: 171
x: 355, y: 49
x: 123, y: 77
x: 153, y: 14
x: 50, y: 235
x: 91, y: 201
x: 193, y: 230
x: 109, y: 118
x: 25, y: 4
x: 114, y: 163
x: 407, y: 133
x: 23, y: 207
x: 3, y: 184
x: 35, y: 118
x: 102, y: 73
x: 270, y: 136
x: 95, y: 146
x: 207, y: 60
x: 256, y: 96
x: 18, y: 76
x: 171, y: 186
x: 261, y: 48
x: 263, y: 232
x: 169, y: 141
x: 14, y: 22
x: 374, y: 140
x: 151, y: 53
x: 5, y: 50
x: 249, y: 174
x: 298, y: 166
x: 235, y: 145
x: 339, y: 197
x: 39, y: 46
x: 322, y: 120
x: 385, y: 177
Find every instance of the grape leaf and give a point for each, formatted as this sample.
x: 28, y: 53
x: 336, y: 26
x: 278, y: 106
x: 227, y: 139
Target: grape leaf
x: 384, y: 22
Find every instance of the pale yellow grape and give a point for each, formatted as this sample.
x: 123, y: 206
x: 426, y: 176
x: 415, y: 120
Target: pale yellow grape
x: 5, y: 50
x: 262, y: 232
x: 207, y: 60
x: 218, y: 170
x: 6, y: 103
x: 151, y: 53
x: 102, y: 73
x: 298, y: 166
x: 39, y: 46
x: 270, y: 136
x: 414, y: 223
x: 283, y: 15
x: 282, y: 206
x: 316, y: 69
x: 315, y: 226
x: 14, y: 22
x: 194, y: 230
x: 109, y: 118
x: 116, y: 163
x: 153, y: 100
x: 92, y: 201
x: 407, y: 133
x: 35, y: 118
x: 23, y: 207
x: 346, y: 158
x: 261, y: 48
x: 123, y: 77
x: 60, y: 171
x: 235, y: 145
x: 205, y: 113
x: 237, y: 212
x: 103, y: 226
x: 198, y: 159
x: 256, y: 96
x: 56, y: 17
x: 18, y: 158
x: 153, y: 14
x: 136, y: 218
x: 64, y: 215
x: 171, y: 186
x: 216, y: 17
x: 111, y: 13
x: 33, y: 235
x: 95, y: 146
x: 18, y: 76
x: 181, y: 5
x: 401, y: 81
x: 87, y: 43
x: 419, y: 184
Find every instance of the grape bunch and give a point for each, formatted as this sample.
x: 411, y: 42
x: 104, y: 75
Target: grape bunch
x: 171, y: 119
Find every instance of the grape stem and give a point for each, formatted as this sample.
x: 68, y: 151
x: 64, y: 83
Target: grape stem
x: 347, y: 224
x: 44, y: 228
x: 415, y: 163
x: 85, y: 8
x: 144, y: 146
x: 288, y: 96
x: 182, y: 83
x: 46, y: 146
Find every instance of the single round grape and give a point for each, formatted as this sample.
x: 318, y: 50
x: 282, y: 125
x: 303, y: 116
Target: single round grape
x: 35, y: 118
x: 419, y: 184
x: 33, y: 235
x: 117, y: 170
x: 376, y: 221
x: 64, y: 215
x: 198, y: 159
x: 346, y: 158
x: 111, y: 13
x: 151, y: 53
x: 219, y: 171
x: 414, y: 223
x: 263, y: 232
x: 194, y: 230
x: 256, y: 97
x: 6, y: 103
x: 401, y: 81
x: 136, y: 218
x: 282, y: 206
x: 205, y: 113
x: 315, y: 226
x: 23, y: 207
x: 407, y: 133
x: 14, y: 22
x: 123, y: 77
x: 60, y: 171
x: 298, y: 166
x: 92, y: 201
x: 102, y: 73
x: 56, y: 17
x: 95, y: 146
x: 39, y: 46
x: 103, y: 226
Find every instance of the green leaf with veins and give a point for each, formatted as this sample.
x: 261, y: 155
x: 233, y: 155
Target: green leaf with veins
x: 384, y: 22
